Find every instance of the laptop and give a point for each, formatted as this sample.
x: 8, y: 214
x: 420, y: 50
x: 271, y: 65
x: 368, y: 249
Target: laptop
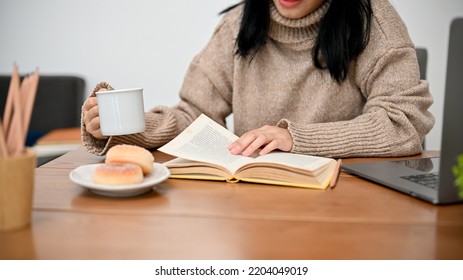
x: 431, y: 179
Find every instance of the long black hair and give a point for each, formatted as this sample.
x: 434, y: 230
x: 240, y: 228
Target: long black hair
x: 344, y: 33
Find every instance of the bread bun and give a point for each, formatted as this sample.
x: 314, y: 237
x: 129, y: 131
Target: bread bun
x: 131, y: 154
x: 118, y: 174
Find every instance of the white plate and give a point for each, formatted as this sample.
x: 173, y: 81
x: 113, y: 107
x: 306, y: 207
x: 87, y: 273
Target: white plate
x: 83, y: 176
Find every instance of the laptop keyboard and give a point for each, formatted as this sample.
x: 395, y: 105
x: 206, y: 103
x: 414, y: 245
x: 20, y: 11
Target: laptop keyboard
x: 429, y: 180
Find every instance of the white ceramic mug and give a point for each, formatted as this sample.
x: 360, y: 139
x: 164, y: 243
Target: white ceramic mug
x: 121, y: 111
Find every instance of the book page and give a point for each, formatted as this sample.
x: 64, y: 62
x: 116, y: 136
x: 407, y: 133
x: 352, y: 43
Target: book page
x: 311, y: 163
x: 206, y: 140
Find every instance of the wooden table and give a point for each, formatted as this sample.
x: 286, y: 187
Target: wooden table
x: 187, y: 219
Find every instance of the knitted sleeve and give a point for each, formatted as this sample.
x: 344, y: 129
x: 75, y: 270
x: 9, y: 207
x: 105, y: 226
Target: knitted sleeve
x: 394, y: 120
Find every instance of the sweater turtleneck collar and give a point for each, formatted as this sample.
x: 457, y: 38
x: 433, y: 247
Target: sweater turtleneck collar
x: 287, y: 30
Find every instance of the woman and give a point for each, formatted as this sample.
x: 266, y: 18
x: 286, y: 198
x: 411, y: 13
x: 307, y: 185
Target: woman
x: 321, y: 77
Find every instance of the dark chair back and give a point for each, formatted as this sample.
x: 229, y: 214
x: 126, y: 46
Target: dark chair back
x: 57, y: 103
x: 422, y: 55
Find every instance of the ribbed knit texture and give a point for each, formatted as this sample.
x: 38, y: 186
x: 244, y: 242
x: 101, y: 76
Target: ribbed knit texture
x: 380, y: 110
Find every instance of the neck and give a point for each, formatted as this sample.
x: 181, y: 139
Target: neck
x: 287, y: 30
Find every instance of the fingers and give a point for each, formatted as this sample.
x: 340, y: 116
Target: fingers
x: 91, y: 118
x: 273, y: 145
x: 268, y: 138
x: 94, y: 129
x: 251, y: 143
x: 90, y: 111
x: 246, y: 144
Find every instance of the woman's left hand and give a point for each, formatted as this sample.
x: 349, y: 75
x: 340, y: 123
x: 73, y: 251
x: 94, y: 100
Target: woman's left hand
x: 268, y: 138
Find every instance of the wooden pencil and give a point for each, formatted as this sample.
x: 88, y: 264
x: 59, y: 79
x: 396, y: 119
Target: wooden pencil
x: 7, y: 114
x: 33, y: 81
x: 3, y: 149
x: 15, y: 132
x: 336, y: 173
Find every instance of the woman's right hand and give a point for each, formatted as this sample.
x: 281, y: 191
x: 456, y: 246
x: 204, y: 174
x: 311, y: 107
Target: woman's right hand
x: 92, y: 118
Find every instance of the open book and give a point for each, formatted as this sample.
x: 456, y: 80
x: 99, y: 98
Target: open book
x: 201, y: 151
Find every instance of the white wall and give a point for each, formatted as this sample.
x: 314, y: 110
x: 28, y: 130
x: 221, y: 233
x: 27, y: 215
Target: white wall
x: 149, y: 43
x: 428, y: 23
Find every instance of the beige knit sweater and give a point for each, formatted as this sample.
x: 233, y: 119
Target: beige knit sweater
x: 380, y: 110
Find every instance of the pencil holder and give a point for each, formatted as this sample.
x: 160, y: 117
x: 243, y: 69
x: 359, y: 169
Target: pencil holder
x: 16, y: 190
